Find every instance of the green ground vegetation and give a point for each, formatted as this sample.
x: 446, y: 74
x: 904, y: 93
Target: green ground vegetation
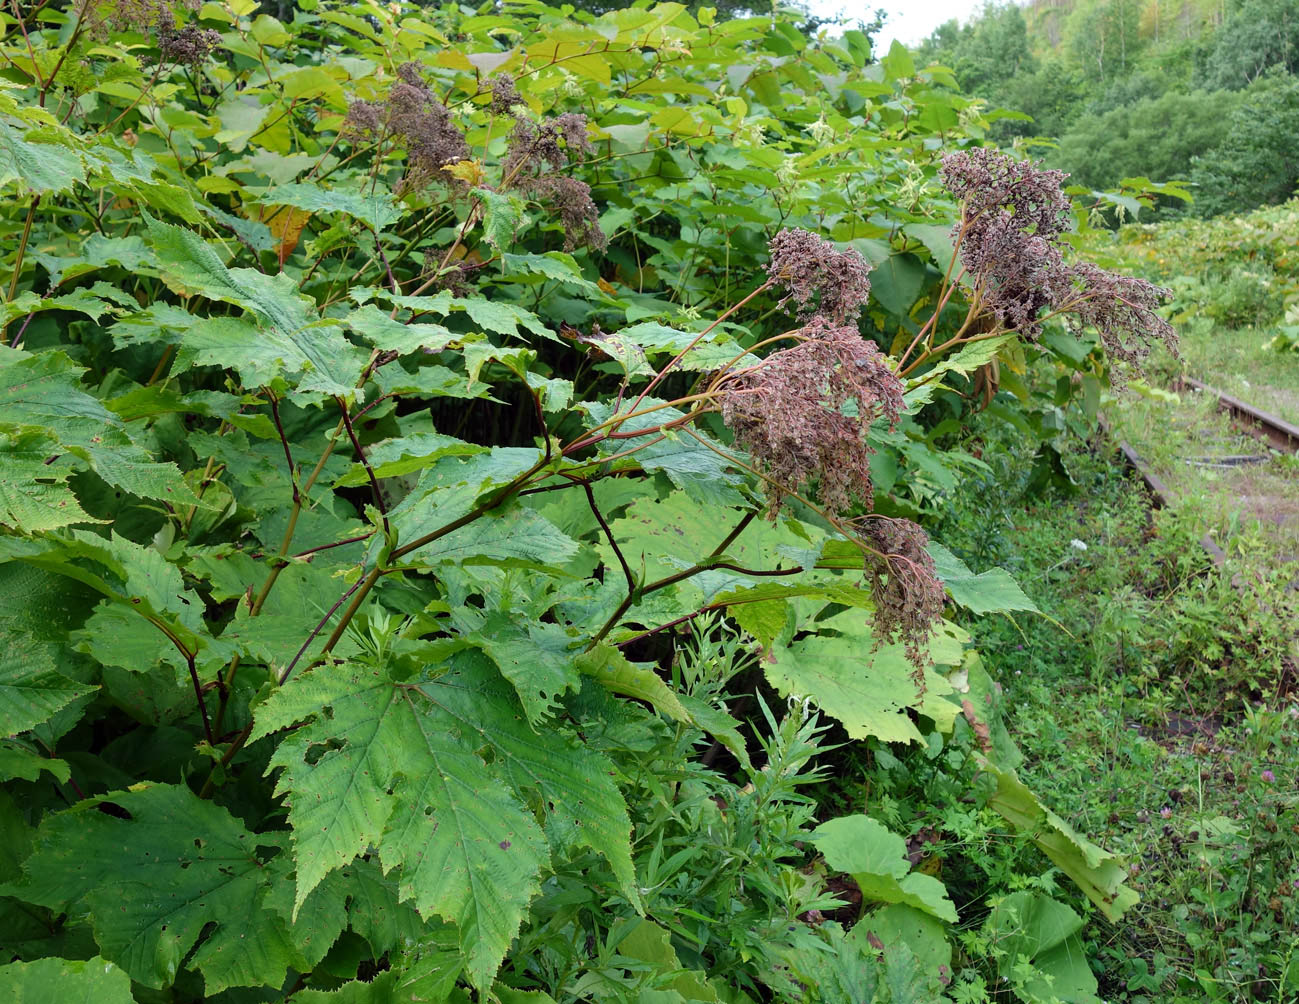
x: 1162, y: 708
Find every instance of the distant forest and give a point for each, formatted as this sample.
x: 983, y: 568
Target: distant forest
x: 1202, y: 90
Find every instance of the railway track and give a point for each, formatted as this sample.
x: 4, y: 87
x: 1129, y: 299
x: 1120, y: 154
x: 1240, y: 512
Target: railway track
x: 1263, y: 425
x: 1260, y: 424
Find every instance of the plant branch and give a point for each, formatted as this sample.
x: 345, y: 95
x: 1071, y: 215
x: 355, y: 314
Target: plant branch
x: 608, y: 534
x: 18, y: 263
x: 360, y: 453
x: 635, y: 595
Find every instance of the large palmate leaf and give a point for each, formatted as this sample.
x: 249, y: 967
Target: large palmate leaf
x: 988, y: 592
x: 38, y: 167
x: 63, y: 981
x: 290, y: 340
x: 34, y: 495
x: 372, y: 207
x: 536, y: 658
x: 152, y: 876
x: 1099, y: 873
x: 41, y: 397
x: 397, y: 775
x: 870, y: 690
x: 31, y: 690
x: 583, y: 805
x: 877, y: 860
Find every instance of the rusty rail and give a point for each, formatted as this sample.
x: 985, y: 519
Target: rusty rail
x: 1262, y: 424
x: 1160, y: 495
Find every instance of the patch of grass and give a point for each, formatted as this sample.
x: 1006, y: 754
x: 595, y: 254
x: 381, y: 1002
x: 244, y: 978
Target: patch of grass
x: 1160, y: 717
x: 1238, y: 361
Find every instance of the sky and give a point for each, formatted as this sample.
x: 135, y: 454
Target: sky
x: 908, y: 22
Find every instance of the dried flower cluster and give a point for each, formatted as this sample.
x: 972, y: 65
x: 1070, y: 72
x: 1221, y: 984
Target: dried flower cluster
x: 1118, y: 306
x: 904, y: 584
x: 188, y: 46
x: 535, y: 155
x: 414, y: 115
x: 504, y: 94
x: 811, y: 268
x: 804, y: 411
x: 1013, y: 213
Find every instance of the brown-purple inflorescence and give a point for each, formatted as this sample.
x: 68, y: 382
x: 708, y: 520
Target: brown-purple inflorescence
x: 535, y: 155
x: 1120, y: 307
x: 1013, y: 213
x: 414, y: 115
x: 1012, y: 216
x: 904, y: 584
x: 811, y: 268
x: 803, y: 414
x: 187, y: 46
x: 504, y: 94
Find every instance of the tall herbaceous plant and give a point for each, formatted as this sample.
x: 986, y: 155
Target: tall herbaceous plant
x: 412, y: 419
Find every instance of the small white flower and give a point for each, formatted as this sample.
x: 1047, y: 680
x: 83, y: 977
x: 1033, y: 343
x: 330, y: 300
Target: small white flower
x: 1077, y: 545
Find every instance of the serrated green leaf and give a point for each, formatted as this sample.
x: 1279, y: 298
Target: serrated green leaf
x: 967, y: 359
x: 43, y: 390
x: 869, y: 690
x: 395, y: 776
x: 33, y: 494
x: 987, y: 592
x: 323, y: 915
x: 556, y: 265
x: 584, y: 807
x: 37, y: 167
x: 703, y: 469
x: 1097, y: 872
x: 152, y: 882
x: 613, y: 671
x: 18, y: 762
x: 877, y: 861
x: 374, y: 208
x: 381, y: 331
x: 31, y: 691
x: 500, y: 317
x: 503, y: 214
x: 536, y: 658
x: 291, y: 337
x: 62, y: 981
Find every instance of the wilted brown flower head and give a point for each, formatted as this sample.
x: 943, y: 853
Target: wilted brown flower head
x: 364, y: 117
x: 1012, y: 216
x: 1018, y: 273
x: 534, y: 147
x: 1122, y: 310
x: 534, y: 156
x: 904, y: 583
x: 808, y: 266
x: 988, y: 181
x: 188, y: 46
x: 414, y: 115
x: 578, y: 214
x: 504, y: 94
x: 804, y: 412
